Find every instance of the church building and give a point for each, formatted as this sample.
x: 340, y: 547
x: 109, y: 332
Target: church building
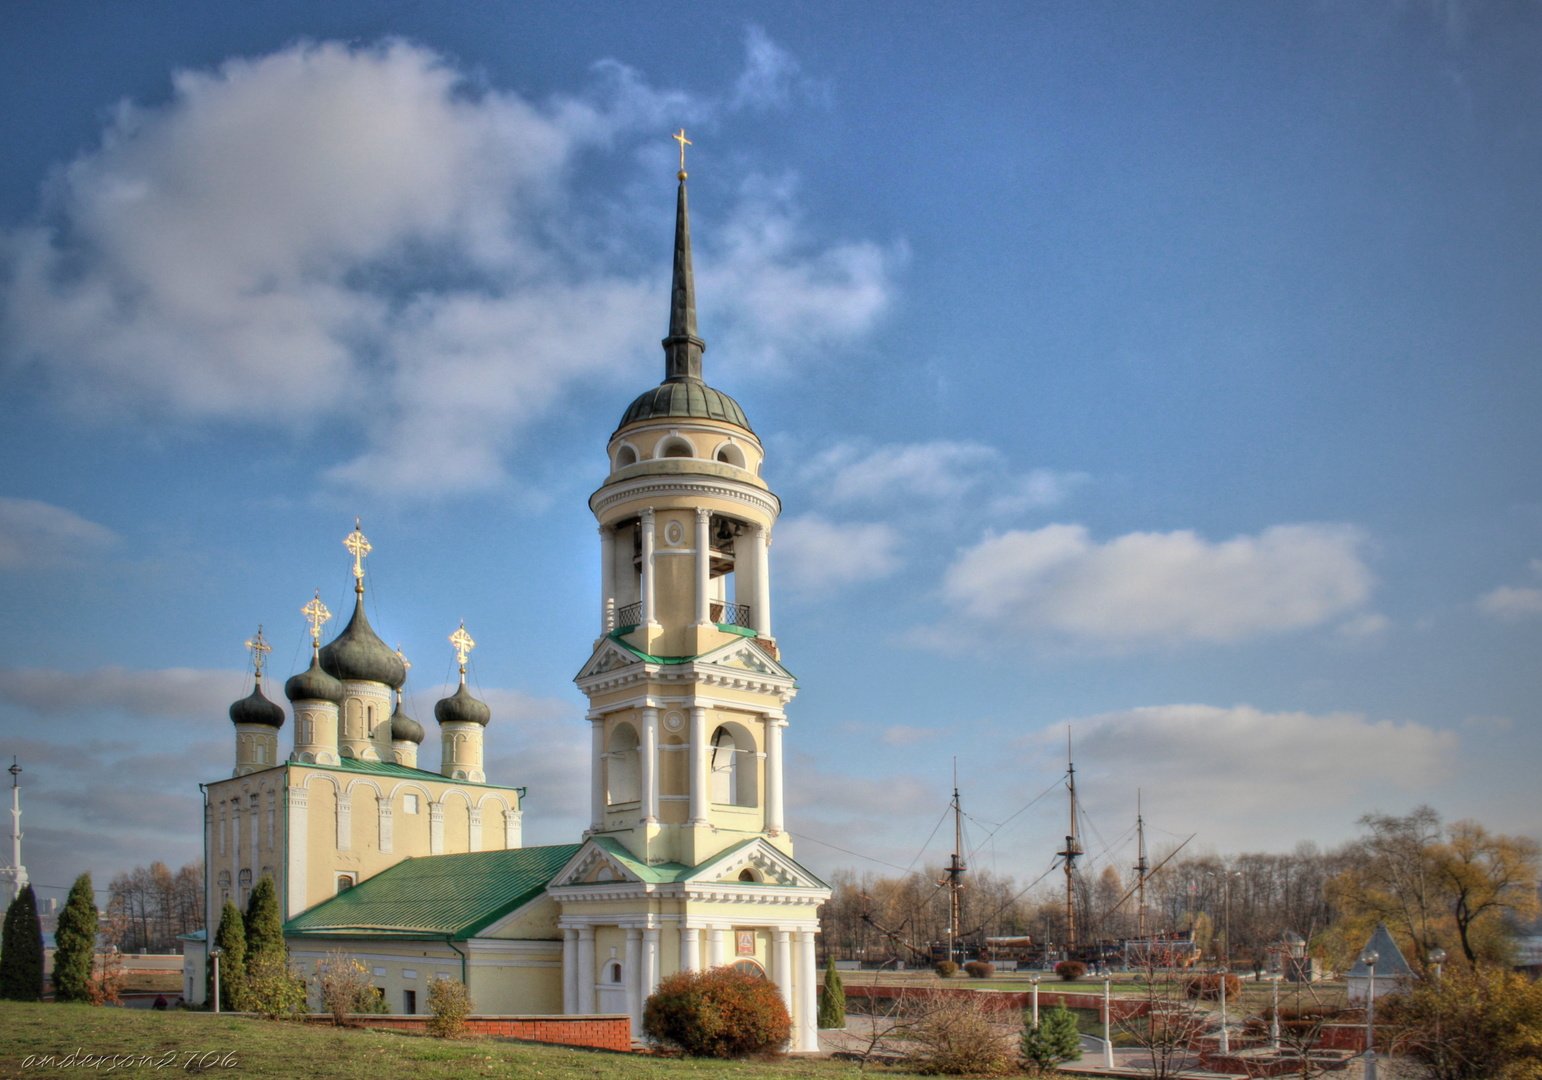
x: 686, y: 863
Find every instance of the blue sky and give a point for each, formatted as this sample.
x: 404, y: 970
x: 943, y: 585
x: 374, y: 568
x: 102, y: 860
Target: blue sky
x: 1164, y: 371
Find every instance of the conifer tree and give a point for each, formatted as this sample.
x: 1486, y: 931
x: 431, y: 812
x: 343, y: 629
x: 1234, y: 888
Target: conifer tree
x: 21, y: 950
x: 75, y: 943
x: 264, y: 927
x: 832, y: 999
x: 1054, y: 1042
x: 231, y: 940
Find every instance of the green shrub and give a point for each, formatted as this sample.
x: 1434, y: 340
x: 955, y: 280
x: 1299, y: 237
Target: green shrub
x: 449, y: 1003
x: 1070, y: 970
x: 1208, y: 987
x: 832, y: 999
x: 231, y: 940
x: 946, y: 969
x: 979, y: 969
x: 719, y: 1013
x: 273, y: 989
x: 1054, y: 1042
x: 21, y: 950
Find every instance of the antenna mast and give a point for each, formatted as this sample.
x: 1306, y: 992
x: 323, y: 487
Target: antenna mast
x: 1073, y: 851
x: 956, y: 868
x: 1141, y: 868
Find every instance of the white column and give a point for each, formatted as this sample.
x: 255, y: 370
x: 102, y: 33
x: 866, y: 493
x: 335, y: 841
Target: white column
x: 344, y: 820
x: 717, y: 947
x: 585, y: 969
x: 632, y: 973
x: 698, y: 765
x: 436, y: 828
x: 762, y: 583
x: 474, y: 829
x: 690, y: 948
x: 650, y: 765
x: 806, y: 1020
x: 648, y: 616
x: 650, y: 961
x: 774, y: 726
x: 511, y: 829
x: 298, y: 818
x: 607, y: 579
x: 703, y: 567
x: 254, y: 841
x: 781, y: 968
x: 597, y: 774
x: 569, y: 971
x: 387, y: 834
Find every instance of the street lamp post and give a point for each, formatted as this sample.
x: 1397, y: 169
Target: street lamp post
x: 214, y: 954
x: 1274, y: 1019
x: 1369, y: 958
x: 1108, y: 1038
x: 1225, y: 1038
x: 1437, y: 960
x: 1034, y: 979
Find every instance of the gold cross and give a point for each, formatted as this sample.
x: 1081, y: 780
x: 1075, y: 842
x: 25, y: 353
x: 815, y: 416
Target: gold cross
x: 680, y: 138
x: 259, y: 649
x: 316, y: 613
x: 463, y: 645
x: 359, y: 547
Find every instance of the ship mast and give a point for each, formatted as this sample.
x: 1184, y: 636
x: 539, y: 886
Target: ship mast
x: 1142, y: 866
x: 1073, y: 850
x: 955, y: 878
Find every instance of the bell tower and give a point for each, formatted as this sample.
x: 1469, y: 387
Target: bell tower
x: 686, y: 690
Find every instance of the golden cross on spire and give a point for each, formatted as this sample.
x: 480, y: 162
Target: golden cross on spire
x: 680, y: 138
x: 463, y: 645
x: 359, y: 547
x: 316, y: 613
x: 259, y: 649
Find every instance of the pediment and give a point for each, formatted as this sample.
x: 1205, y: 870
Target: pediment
x: 765, y: 864
x: 743, y: 655
x: 607, y: 658
x: 593, y: 865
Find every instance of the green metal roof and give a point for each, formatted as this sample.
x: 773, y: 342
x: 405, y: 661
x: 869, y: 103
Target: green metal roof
x: 391, y: 768
x: 455, y: 896
x: 690, y: 398
x: 657, y: 873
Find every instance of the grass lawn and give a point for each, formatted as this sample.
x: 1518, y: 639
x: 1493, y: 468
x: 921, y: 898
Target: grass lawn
x: 267, y: 1048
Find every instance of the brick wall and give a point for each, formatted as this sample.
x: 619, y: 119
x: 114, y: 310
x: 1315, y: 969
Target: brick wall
x: 600, y: 1032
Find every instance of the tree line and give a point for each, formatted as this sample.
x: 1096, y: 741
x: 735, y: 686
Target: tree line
x: 1457, y: 886
x: 157, y: 904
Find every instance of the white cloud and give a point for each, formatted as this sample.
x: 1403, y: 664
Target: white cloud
x: 35, y: 534
x: 940, y: 470
x: 813, y: 554
x: 1148, y: 589
x: 907, y: 735
x: 177, y: 693
x: 1366, y: 626
x: 1512, y: 602
x: 771, y: 76
x: 370, y: 240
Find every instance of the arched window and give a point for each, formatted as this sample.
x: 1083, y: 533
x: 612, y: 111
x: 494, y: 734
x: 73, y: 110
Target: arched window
x: 729, y: 454
x: 245, y: 881
x: 621, y: 765
x: 612, y: 973
x: 733, y: 766
x: 344, y: 882
x: 625, y: 456
x: 675, y: 447
x: 750, y: 968
x: 748, y: 875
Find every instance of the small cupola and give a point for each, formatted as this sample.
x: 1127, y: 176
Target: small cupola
x: 257, y: 719
x: 462, y: 719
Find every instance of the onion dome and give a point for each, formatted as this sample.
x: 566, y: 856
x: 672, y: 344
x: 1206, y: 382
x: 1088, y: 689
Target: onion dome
x: 314, y: 684
x: 359, y: 655
x: 403, y: 727
x: 683, y: 393
x: 254, y: 708
x: 462, y: 708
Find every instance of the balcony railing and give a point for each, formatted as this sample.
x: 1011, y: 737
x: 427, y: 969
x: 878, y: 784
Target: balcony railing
x: 732, y: 614
x: 629, y: 614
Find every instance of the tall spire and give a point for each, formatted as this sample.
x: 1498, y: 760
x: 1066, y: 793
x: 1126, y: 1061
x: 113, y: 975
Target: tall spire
x: 682, y: 348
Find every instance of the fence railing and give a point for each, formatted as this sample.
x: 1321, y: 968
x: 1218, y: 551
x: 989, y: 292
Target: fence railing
x: 732, y: 614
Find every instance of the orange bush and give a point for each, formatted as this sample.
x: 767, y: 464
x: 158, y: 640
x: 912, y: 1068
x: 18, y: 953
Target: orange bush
x: 719, y: 1013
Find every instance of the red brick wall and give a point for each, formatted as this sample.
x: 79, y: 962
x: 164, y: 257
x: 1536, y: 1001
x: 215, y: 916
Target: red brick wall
x: 604, y: 1032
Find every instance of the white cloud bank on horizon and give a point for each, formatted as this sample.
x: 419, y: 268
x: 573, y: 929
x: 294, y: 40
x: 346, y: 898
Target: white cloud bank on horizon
x: 1512, y: 602
x: 814, y: 555
x: 1147, y: 589
x: 368, y: 236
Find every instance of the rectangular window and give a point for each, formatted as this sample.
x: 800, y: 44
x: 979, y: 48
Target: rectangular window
x: 410, y: 1002
x: 380, y: 974
x: 408, y: 973
x: 409, y: 804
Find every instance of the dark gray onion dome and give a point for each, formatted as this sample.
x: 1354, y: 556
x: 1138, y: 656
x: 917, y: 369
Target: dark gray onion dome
x: 462, y: 708
x: 254, y: 708
x: 357, y: 654
x: 314, y: 684
x: 689, y: 398
x: 404, y: 728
